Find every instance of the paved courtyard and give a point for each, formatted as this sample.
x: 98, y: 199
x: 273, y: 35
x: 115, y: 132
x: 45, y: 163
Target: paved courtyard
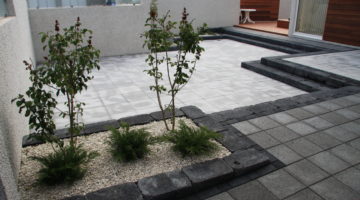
x: 344, y: 63
x: 320, y: 145
x: 121, y: 88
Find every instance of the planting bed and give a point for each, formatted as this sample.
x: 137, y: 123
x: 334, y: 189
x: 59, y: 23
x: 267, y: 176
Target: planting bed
x: 104, y: 171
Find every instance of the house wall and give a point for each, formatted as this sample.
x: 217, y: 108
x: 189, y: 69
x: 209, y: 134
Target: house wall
x: 16, y: 46
x: 266, y: 10
x: 284, y: 9
x: 117, y: 29
x: 343, y: 22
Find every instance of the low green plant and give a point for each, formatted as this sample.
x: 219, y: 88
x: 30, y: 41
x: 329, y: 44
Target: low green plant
x: 65, y: 165
x: 129, y: 145
x: 190, y: 141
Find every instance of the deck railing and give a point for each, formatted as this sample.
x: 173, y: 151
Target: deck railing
x: 38, y: 4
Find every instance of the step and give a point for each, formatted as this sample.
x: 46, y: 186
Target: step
x: 288, y: 78
x: 272, y: 40
x: 263, y: 44
x: 326, y: 78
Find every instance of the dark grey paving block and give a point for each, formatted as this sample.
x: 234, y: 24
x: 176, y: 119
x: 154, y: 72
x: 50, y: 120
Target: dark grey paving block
x: 251, y: 191
x: 264, y: 123
x: 334, y: 118
x: 300, y: 114
x: 208, y: 172
x: 350, y: 177
x: 283, y: 118
x: 77, y: 197
x: 329, y: 162
x: 159, y: 116
x: 341, y: 133
x: 328, y: 105
x: 347, y: 113
x: 301, y: 128
x: 124, y: 191
x: 303, y: 147
x: 284, y: 154
x: 318, y: 123
x: 233, y: 142
x: 306, y: 172
x: 355, y: 143
x: 332, y: 189
x: 323, y: 140
x: 164, y: 185
x: 281, y: 183
x: 221, y: 196
x: 315, y: 109
x: 246, y: 160
x: 137, y: 120
x: 246, y: 128
x: 282, y: 133
x: 347, y: 153
x: 192, y: 112
x: 264, y: 140
x: 306, y: 194
x: 210, y: 123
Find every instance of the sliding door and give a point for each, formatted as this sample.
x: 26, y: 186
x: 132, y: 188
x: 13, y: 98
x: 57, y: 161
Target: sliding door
x: 311, y: 17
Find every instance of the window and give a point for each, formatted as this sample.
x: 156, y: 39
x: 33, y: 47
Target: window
x: 3, y: 8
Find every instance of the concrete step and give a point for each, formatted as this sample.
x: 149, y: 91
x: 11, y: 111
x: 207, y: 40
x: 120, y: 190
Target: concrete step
x: 285, y: 77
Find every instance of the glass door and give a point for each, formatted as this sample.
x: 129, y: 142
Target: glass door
x: 311, y: 18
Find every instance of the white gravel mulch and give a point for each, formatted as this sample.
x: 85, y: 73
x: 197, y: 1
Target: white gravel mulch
x: 104, y: 171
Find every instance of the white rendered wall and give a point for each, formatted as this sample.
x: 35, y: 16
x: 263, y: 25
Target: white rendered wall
x: 117, y: 29
x: 285, y: 9
x: 15, y: 46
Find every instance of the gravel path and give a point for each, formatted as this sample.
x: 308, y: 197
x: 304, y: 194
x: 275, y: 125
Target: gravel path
x: 103, y: 171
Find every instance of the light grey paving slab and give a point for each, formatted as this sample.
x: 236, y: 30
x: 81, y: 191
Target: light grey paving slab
x: 350, y: 177
x: 282, y: 133
x: 221, y: 196
x: 281, y: 183
x: 299, y: 113
x: 355, y: 143
x: 251, y: 191
x: 332, y: 189
x: 284, y: 154
x: 264, y: 123
x: 283, y: 118
x: 121, y: 80
x: 315, y: 109
x: 307, y: 172
x: 328, y: 105
x: 323, y: 140
x: 341, y: 133
x: 352, y: 126
x: 303, y: 147
x: 335, y: 118
x: 342, y: 63
x: 329, y: 162
x: 353, y: 98
x: 318, y: 123
x: 246, y: 128
x: 264, y: 139
x: 306, y: 194
x: 347, y: 113
x: 301, y: 128
x: 355, y: 108
x: 347, y: 153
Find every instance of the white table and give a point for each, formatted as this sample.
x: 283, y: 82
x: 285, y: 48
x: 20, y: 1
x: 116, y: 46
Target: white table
x: 247, y: 16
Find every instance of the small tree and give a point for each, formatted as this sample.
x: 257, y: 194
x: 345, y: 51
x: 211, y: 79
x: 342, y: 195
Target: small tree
x: 66, y: 70
x: 159, y: 39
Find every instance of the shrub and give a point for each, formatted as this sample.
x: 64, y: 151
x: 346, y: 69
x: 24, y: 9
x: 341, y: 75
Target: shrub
x: 65, y: 165
x: 191, y: 141
x: 128, y: 145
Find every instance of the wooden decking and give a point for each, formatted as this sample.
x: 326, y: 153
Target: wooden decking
x: 269, y: 27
